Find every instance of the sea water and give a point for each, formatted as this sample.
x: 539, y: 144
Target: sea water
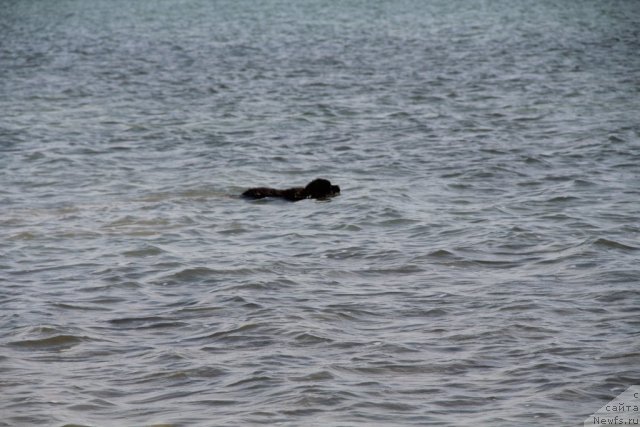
x: 480, y: 266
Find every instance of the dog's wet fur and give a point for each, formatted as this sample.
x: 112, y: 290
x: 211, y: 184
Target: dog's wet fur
x: 317, y: 189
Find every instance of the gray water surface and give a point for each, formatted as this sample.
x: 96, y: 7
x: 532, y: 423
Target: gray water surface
x: 479, y: 268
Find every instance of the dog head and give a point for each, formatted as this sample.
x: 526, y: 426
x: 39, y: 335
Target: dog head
x: 321, y: 189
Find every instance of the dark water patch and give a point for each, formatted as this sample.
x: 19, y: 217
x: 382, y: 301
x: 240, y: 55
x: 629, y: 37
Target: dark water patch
x: 240, y: 302
x: 144, y: 252
x: 615, y: 296
x: 385, y: 272
x: 428, y: 313
x: 149, y: 322
x: 53, y: 343
x: 465, y: 262
x: 24, y: 235
x: 563, y: 199
x: 583, y: 183
x: 519, y: 307
x: 190, y: 275
x: 313, y: 377
x: 104, y: 301
x: 255, y: 382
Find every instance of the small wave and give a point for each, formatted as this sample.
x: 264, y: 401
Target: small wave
x: 130, y: 220
x: 614, y: 138
x: 233, y: 230
x: 248, y: 334
x: 528, y: 118
x: 583, y: 183
x: 255, y: 382
x: 445, y: 257
x: 190, y: 274
x: 563, y: 199
x: 398, y: 222
x: 496, y: 263
x: 344, y: 253
x: 519, y: 307
x: 618, y: 295
x: 24, y: 235
x: 434, y: 312
x: 535, y: 160
x: 441, y: 253
x: 612, y: 244
x: 314, y: 376
x: 307, y: 338
x: 402, y: 269
x: 143, y: 252
x: 67, y: 306
x: 151, y: 322
x: 57, y: 342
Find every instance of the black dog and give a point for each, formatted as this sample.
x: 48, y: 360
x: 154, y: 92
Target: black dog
x: 316, y: 189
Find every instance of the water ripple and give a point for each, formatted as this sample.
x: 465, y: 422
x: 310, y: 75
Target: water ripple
x: 479, y: 266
